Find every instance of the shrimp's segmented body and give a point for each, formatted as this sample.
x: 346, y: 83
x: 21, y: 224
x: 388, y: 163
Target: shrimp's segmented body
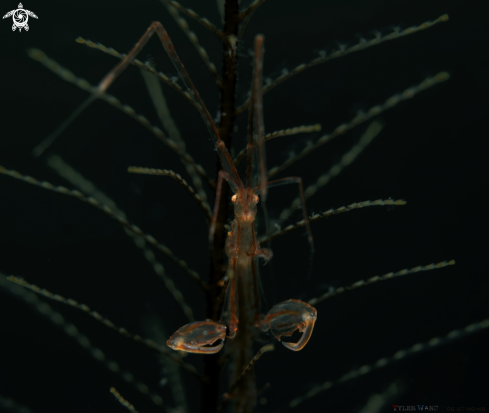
x: 242, y: 303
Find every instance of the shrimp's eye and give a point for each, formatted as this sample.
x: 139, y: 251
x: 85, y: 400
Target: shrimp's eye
x: 233, y: 199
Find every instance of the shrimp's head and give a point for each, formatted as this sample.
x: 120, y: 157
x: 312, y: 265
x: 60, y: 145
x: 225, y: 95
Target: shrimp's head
x: 245, y: 205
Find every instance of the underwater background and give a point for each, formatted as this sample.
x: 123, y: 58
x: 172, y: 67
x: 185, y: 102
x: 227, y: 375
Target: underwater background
x: 430, y: 153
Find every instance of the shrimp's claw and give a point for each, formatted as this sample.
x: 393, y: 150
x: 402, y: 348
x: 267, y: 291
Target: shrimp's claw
x: 306, y: 329
x: 286, y: 317
x: 198, y: 337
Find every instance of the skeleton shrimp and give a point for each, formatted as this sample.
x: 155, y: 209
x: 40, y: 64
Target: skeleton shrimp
x: 242, y: 300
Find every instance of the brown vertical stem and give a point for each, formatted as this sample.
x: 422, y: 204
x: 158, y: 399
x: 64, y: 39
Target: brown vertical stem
x: 210, y: 390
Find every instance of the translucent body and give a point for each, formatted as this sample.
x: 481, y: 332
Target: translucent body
x: 241, y: 318
x: 242, y: 307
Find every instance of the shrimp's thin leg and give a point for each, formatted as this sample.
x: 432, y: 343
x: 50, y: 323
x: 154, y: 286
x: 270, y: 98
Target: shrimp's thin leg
x: 110, y: 77
x: 303, y: 200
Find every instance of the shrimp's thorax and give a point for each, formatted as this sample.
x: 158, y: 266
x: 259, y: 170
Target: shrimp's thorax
x: 241, y: 242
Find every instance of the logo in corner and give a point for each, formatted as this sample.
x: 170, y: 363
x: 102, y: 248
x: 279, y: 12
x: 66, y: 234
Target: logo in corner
x: 20, y: 17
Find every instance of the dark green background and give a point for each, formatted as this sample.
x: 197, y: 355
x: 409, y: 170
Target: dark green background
x: 431, y: 153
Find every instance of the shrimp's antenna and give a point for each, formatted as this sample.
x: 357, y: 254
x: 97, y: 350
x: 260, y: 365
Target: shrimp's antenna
x: 46, y: 143
x: 258, y: 109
